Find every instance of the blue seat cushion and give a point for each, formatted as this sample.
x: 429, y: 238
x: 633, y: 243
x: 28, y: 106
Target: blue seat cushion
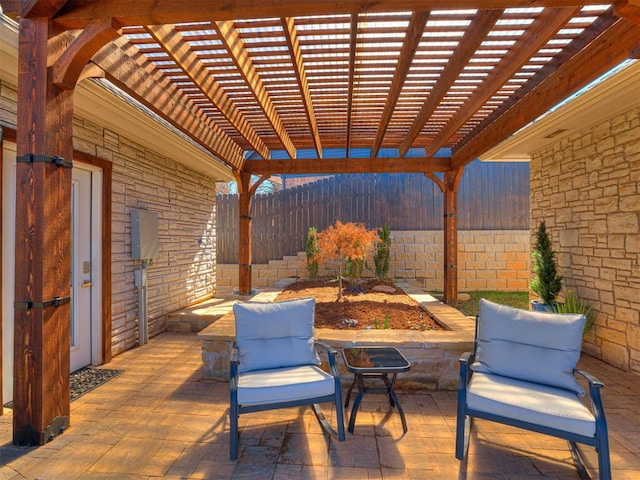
x: 530, y: 402
x: 283, y: 384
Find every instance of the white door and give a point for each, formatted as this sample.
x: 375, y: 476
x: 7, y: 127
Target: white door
x: 8, y: 266
x: 81, y: 278
x: 86, y: 247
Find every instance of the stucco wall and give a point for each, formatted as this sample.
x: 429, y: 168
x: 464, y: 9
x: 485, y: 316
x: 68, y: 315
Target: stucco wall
x: 487, y: 260
x: 184, y: 201
x: 587, y: 189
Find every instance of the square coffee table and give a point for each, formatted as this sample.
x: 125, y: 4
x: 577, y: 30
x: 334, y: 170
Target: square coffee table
x: 374, y: 362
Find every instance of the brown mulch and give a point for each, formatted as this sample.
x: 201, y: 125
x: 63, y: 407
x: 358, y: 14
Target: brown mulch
x: 361, y: 306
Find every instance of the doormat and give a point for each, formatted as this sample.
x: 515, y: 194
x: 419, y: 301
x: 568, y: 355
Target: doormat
x: 87, y: 379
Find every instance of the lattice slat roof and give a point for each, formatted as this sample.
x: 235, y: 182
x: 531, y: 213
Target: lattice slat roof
x: 394, y: 79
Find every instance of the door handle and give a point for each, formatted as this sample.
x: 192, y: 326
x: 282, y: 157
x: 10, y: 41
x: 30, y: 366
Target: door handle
x: 86, y: 284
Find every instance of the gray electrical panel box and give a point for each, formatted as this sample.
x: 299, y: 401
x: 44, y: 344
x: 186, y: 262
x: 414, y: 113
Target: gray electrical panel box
x: 144, y: 234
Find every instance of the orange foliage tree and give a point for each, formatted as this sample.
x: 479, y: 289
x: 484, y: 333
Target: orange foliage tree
x: 345, y: 241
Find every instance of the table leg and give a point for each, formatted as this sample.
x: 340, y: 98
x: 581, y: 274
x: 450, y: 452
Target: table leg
x: 392, y: 393
x: 393, y: 398
x: 356, y: 403
x: 348, y: 396
x: 389, y: 385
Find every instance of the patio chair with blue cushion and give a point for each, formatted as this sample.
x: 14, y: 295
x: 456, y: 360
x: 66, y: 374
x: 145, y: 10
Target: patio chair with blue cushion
x: 522, y: 373
x: 275, y: 364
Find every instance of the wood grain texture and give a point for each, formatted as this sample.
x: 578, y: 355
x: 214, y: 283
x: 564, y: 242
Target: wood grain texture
x: 43, y: 243
x: 78, y: 13
x: 604, y: 53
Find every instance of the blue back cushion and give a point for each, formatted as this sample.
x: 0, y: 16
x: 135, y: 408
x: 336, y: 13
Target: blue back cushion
x: 275, y: 335
x: 532, y: 346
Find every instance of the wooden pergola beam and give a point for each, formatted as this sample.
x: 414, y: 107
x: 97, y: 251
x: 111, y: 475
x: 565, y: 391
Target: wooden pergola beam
x: 291, y: 37
x: 235, y: 46
x: 588, y: 35
x: 549, y: 22
x: 611, y: 47
x: 179, y: 50
x: 78, y: 13
x: 628, y: 9
x: 69, y: 67
x: 35, y: 8
x: 411, y: 42
x: 480, y: 27
x: 347, y: 165
x: 353, y: 42
x: 125, y: 67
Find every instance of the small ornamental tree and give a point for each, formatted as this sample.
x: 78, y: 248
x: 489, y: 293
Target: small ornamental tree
x: 547, y: 282
x: 345, y: 241
x: 311, y: 249
x: 381, y: 255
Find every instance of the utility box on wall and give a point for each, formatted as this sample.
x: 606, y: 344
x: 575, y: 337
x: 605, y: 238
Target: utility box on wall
x: 144, y: 234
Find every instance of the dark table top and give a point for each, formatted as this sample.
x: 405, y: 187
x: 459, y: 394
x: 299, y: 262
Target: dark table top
x: 374, y: 360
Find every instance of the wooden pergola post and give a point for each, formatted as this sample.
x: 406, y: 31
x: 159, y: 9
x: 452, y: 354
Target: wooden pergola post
x: 244, y: 233
x: 43, y: 241
x: 245, y: 197
x: 451, y: 183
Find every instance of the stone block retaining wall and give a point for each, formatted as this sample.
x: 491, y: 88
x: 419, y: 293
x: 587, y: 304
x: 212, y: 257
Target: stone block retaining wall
x: 487, y: 260
x: 587, y: 189
x: 433, y: 355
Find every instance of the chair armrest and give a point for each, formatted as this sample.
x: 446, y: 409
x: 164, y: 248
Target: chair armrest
x: 593, y: 381
x: 465, y: 361
x: 234, y: 355
x: 331, y: 354
x: 596, y: 400
x: 330, y: 350
x: 467, y: 358
x: 233, y: 364
x: 233, y: 373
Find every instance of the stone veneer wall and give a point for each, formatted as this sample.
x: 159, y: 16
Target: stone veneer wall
x: 8, y: 103
x: 185, y: 203
x: 587, y: 189
x: 487, y: 260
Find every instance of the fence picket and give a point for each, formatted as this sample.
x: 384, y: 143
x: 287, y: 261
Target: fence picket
x: 491, y: 196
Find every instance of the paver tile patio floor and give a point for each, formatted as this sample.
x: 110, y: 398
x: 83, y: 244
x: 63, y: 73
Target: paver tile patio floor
x: 160, y: 420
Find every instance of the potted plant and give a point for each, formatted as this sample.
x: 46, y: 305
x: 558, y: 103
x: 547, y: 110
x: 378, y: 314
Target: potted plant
x: 574, y: 304
x: 547, y: 282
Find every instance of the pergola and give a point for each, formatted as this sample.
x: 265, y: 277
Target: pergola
x: 276, y: 87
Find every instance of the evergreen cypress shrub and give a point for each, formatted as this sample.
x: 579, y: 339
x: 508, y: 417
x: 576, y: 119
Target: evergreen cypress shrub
x: 382, y: 253
x: 311, y: 249
x: 547, y: 282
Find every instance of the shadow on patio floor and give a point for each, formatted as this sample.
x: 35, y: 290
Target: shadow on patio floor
x: 160, y: 420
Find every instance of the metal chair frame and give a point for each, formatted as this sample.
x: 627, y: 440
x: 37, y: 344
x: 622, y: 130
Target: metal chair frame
x: 600, y: 440
x: 237, y: 409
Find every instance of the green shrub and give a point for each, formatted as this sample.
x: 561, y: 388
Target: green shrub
x: 574, y: 304
x: 382, y: 253
x: 311, y: 249
x: 355, y: 269
x: 547, y: 282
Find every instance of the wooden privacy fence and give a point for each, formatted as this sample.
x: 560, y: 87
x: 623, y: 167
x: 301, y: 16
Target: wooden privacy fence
x: 492, y: 196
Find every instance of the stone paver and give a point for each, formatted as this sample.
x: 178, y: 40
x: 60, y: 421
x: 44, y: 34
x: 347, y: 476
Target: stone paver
x: 159, y: 419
